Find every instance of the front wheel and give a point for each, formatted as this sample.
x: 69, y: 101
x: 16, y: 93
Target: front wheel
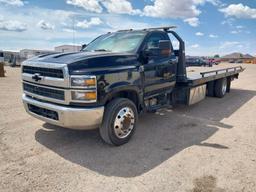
x: 119, y: 121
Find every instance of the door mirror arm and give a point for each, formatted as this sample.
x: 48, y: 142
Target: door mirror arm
x: 143, y: 57
x: 83, y: 46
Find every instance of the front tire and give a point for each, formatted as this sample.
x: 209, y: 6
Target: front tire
x: 119, y: 121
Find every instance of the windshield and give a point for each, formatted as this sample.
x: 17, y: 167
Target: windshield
x: 117, y: 42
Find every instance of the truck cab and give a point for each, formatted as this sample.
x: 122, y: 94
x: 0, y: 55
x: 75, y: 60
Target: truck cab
x: 111, y: 81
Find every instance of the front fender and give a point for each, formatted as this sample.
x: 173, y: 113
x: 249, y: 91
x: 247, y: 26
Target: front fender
x: 110, y: 84
x: 123, y: 87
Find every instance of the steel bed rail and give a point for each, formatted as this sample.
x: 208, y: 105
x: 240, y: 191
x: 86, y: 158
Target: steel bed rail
x: 238, y: 68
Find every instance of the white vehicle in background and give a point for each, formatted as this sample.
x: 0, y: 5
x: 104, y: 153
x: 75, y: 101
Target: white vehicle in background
x: 1, y: 56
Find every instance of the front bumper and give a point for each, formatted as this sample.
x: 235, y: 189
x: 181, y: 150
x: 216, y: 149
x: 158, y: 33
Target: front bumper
x: 69, y: 117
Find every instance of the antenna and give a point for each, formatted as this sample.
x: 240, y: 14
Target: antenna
x: 73, y: 20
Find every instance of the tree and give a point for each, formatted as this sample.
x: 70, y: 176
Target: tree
x: 216, y: 56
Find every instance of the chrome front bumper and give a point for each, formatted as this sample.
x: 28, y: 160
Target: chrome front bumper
x: 73, y: 118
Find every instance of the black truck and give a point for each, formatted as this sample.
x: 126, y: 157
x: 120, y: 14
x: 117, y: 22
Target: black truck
x: 113, y: 79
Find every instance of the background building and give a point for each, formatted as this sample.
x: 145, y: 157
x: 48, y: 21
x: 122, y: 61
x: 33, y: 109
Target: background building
x: 238, y: 58
x: 12, y: 58
x: 68, y: 48
x: 28, y: 53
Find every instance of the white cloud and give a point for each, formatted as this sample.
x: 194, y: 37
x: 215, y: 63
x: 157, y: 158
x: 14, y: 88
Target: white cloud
x: 89, y: 5
x: 123, y: 22
x: 92, y: 22
x: 172, y: 9
x: 239, y: 11
x: 234, y: 32
x: 239, y: 27
x: 175, y: 44
x: 12, y: 2
x: 228, y: 21
x: 62, y: 20
x: 214, y: 2
x: 69, y: 30
x: 176, y: 9
x: 194, y: 21
x: 120, y: 7
x: 45, y: 26
x: 195, y: 46
x: 43, y: 39
x: 12, y: 25
x: 229, y: 44
x: 199, y: 34
x: 112, y: 6
x: 223, y: 48
x: 213, y: 36
x: 159, y: 8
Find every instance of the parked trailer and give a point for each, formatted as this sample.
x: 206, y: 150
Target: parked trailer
x: 116, y: 77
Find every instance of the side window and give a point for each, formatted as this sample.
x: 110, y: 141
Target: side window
x: 154, y: 39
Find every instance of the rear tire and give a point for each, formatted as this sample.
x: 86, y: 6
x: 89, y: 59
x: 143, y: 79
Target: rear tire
x: 119, y: 121
x: 220, y: 87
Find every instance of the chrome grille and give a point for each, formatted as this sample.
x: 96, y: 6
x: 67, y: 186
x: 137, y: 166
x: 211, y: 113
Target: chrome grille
x: 47, y: 72
x: 45, y: 92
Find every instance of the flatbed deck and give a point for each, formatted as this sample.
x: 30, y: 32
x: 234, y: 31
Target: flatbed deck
x: 201, y: 75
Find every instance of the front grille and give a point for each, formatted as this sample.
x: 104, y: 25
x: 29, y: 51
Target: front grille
x: 47, y: 72
x: 43, y: 112
x: 42, y: 91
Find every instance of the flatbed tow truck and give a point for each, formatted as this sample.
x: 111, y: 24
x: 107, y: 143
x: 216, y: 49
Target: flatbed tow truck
x: 116, y: 77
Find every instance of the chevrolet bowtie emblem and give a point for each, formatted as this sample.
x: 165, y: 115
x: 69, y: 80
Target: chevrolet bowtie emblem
x: 36, y: 77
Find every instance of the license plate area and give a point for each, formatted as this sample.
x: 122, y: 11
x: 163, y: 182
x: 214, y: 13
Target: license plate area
x: 43, y: 112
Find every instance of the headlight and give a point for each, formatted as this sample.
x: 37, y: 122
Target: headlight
x: 90, y: 96
x: 83, y: 81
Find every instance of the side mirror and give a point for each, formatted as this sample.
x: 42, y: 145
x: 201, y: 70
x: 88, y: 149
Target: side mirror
x: 163, y: 49
x: 165, y: 44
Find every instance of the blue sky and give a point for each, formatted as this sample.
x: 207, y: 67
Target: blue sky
x: 208, y: 26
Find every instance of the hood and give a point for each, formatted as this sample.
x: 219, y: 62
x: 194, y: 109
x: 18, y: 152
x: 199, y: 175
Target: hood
x: 68, y: 58
x: 86, y: 62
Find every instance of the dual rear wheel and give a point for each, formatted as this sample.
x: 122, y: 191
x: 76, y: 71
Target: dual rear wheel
x: 220, y: 88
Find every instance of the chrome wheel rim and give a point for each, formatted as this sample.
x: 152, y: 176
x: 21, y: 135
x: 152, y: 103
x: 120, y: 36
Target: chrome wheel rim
x: 224, y: 87
x: 124, y: 122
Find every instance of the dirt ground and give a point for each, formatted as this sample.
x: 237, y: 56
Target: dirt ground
x: 208, y: 147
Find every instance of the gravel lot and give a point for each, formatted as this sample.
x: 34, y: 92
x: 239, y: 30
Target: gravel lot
x: 209, y: 147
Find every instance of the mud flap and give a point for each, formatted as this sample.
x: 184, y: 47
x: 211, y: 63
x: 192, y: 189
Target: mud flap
x: 196, y: 94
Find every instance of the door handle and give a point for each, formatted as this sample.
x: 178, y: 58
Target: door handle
x: 167, y: 75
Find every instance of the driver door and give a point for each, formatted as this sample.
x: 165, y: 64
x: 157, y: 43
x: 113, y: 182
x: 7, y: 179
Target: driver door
x: 159, y: 71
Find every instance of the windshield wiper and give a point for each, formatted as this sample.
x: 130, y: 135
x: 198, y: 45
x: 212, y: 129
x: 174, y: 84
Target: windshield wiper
x: 102, y: 50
